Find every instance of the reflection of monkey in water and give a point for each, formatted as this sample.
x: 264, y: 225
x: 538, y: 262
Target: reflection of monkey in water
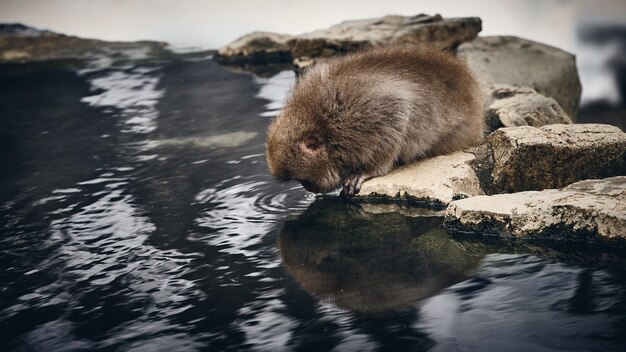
x: 363, y: 257
x: 354, y: 117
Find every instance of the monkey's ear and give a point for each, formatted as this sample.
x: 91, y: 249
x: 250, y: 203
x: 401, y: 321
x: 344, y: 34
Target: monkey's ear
x: 310, y: 145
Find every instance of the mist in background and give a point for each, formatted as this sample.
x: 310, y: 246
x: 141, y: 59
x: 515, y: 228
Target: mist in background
x: 593, y: 30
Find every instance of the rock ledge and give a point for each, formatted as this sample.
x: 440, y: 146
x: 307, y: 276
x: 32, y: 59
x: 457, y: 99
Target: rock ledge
x: 587, y: 209
x: 304, y: 49
x: 436, y: 180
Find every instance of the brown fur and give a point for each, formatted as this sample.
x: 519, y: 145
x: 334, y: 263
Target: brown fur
x: 364, y: 113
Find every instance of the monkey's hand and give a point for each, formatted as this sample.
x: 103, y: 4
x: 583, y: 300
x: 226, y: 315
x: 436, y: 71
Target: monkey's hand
x: 352, y: 185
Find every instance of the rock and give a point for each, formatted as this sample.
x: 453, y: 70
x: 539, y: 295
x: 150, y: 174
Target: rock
x: 436, y: 181
x: 523, y: 106
x: 351, y: 35
x: 587, y: 209
x: 258, y: 47
x: 509, y: 160
x: 20, y: 30
x: 19, y: 43
x: 524, y: 63
x: 527, y: 158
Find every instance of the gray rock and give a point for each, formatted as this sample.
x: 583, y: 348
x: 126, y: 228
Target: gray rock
x: 586, y: 209
x: 524, y: 63
x: 527, y: 158
x: 351, y: 35
x: 21, y: 43
x: 509, y: 160
x: 258, y: 46
x: 523, y: 106
x: 20, y: 30
x: 436, y: 180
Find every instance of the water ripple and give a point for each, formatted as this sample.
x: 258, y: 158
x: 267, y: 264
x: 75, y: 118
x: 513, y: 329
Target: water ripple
x: 134, y: 93
x: 242, y: 212
x: 140, y: 216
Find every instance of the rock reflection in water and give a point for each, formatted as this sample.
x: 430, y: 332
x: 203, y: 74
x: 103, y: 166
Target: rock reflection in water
x: 226, y: 140
x: 363, y: 259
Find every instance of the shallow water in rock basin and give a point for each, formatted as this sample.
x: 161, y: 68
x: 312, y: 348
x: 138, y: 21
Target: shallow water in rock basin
x: 138, y: 215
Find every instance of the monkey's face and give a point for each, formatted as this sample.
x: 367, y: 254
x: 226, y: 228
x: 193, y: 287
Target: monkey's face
x: 305, y: 157
x: 301, y: 144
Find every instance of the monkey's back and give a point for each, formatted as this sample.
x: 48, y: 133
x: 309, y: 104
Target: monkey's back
x: 446, y: 105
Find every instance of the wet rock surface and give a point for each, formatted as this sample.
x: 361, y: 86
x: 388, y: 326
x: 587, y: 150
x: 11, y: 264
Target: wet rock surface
x: 349, y: 36
x: 538, y: 164
x: 528, y: 158
x: 587, y: 209
x: 436, y: 181
x: 525, y: 63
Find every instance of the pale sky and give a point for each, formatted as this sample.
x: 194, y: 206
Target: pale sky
x: 211, y: 23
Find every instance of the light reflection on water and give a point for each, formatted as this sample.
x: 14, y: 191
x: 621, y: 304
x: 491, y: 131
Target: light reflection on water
x: 540, y: 304
x: 275, y: 89
x: 139, y: 214
x: 240, y: 216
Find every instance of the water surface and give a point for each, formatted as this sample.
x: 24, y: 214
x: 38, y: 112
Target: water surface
x: 138, y: 215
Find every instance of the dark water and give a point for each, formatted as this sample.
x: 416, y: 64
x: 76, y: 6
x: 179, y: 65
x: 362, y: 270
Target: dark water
x: 137, y: 215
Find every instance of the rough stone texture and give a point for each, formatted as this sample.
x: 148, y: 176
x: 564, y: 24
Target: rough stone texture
x: 351, y: 35
x: 520, y: 62
x: 21, y: 43
x: 522, y: 106
x: 586, y: 209
x: 436, y: 180
x: 527, y: 158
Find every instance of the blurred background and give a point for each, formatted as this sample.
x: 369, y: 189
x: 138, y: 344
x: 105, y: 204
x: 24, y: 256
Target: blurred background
x: 593, y: 30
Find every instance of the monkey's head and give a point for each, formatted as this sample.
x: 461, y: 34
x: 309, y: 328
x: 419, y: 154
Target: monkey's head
x: 331, y: 127
x: 301, y: 143
x: 297, y: 150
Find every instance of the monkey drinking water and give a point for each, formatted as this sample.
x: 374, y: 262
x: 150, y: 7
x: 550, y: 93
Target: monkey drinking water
x: 355, y: 117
